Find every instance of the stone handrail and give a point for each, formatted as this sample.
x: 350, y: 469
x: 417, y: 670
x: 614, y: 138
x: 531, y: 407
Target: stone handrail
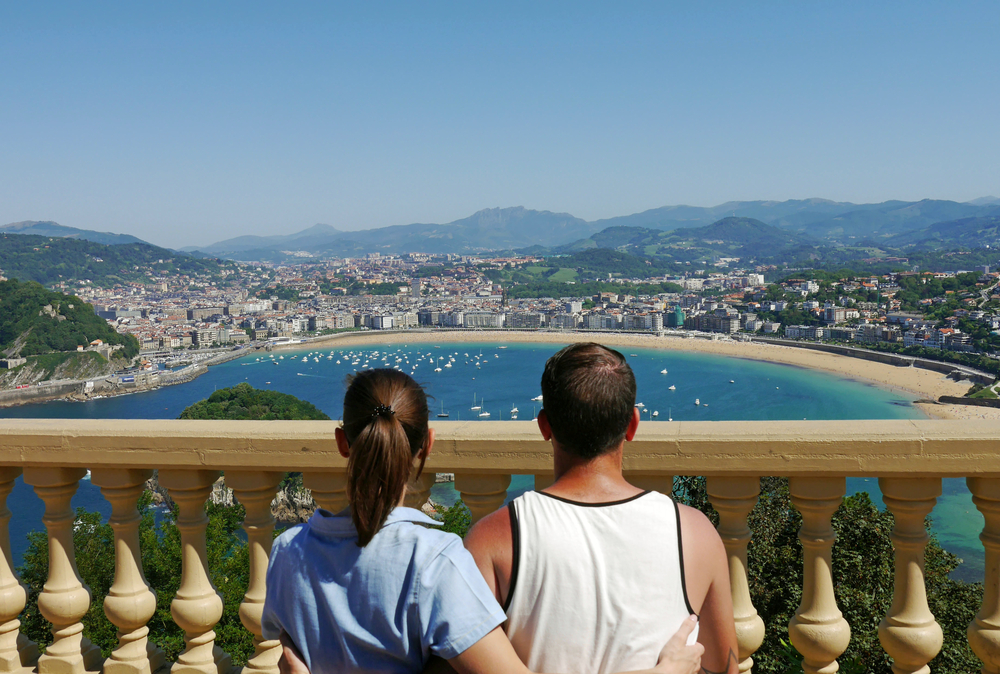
x: 908, y: 456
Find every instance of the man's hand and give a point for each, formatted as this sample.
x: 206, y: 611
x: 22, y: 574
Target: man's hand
x: 291, y: 661
x: 677, y: 657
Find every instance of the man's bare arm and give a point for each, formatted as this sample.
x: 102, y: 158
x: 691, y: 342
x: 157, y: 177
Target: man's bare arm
x: 491, y: 543
x: 706, y: 571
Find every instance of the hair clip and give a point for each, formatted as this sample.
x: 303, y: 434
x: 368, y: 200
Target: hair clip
x: 382, y: 411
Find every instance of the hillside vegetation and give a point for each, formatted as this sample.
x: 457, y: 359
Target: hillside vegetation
x: 52, y: 260
x: 34, y: 320
x: 244, y: 402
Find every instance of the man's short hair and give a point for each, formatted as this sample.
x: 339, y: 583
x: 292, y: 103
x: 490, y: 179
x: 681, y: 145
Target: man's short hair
x: 588, y: 394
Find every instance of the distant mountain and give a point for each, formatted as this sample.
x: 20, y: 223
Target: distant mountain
x: 985, y: 201
x: 49, y: 261
x: 486, y: 230
x: 780, y: 213
x: 49, y: 228
x: 745, y: 238
x: 808, y: 222
x: 964, y: 233
x: 307, y: 238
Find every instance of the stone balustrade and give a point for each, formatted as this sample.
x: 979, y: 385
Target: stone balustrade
x: 908, y: 457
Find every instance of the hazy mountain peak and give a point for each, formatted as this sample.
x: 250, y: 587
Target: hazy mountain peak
x: 984, y: 201
x: 54, y: 229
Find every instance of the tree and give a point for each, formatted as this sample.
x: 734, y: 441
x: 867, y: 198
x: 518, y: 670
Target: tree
x: 863, y: 579
x: 160, y: 545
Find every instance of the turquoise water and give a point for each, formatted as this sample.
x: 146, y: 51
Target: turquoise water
x: 498, y: 379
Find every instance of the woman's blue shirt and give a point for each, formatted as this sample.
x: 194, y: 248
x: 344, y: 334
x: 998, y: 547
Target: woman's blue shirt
x: 412, y: 592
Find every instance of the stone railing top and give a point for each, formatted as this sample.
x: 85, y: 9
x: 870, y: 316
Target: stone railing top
x: 877, y: 448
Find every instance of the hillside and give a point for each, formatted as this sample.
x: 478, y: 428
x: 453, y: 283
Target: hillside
x: 489, y: 229
x: 49, y: 228
x: 52, y: 260
x: 964, y: 233
x: 34, y: 321
x: 244, y: 402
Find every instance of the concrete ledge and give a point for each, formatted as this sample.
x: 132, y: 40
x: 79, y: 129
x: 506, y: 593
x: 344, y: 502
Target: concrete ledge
x: 870, y: 448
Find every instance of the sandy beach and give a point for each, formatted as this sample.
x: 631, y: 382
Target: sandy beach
x: 924, y: 384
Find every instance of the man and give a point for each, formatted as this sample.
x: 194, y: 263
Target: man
x: 593, y: 571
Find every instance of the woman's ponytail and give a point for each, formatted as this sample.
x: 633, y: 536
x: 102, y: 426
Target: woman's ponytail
x: 385, y: 420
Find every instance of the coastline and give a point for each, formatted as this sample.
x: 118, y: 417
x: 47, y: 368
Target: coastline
x: 926, y: 385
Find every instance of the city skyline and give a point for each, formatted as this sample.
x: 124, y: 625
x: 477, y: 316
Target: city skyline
x: 187, y: 125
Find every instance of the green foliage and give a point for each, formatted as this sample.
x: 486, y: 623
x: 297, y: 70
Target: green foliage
x: 281, y: 292
x: 863, y: 580
x: 556, y: 290
x: 456, y: 519
x: 160, y: 546
x: 358, y: 288
x: 54, y: 260
x: 973, y: 360
x: 74, y: 323
x: 244, y: 402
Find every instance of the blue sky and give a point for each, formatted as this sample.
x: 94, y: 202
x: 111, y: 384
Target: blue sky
x: 190, y: 122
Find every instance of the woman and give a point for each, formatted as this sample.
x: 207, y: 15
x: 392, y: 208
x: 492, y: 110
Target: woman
x: 375, y: 588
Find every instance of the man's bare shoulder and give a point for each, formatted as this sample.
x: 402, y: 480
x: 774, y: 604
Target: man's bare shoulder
x: 490, y: 536
x: 698, y: 531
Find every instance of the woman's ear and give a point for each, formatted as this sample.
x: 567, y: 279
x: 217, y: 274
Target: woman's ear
x: 342, y: 446
x: 426, y: 451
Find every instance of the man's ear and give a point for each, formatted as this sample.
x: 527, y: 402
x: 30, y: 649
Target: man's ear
x: 543, y: 425
x: 633, y: 425
x: 342, y: 446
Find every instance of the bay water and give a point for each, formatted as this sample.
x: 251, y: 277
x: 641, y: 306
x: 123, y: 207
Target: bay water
x: 498, y: 378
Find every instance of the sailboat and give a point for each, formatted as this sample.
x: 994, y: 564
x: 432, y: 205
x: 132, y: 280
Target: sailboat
x: 443, y: 414
x: 484, y: 414
x: 475, y: 407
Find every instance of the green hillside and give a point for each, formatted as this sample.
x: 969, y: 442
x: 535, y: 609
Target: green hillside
x: 34, y: 320
x: 52, y: 260
x: 244, y: 402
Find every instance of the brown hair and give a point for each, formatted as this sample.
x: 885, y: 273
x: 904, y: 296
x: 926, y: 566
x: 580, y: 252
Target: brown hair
x: 385, y: 421
x: 588, y: 393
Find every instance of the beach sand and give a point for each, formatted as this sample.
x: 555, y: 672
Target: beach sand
x: 925, y: 384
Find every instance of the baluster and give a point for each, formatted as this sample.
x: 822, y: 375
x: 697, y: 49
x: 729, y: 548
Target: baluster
x: 198, y: 606
x: 482, y: 493
x: 543, y: 480
x: 328, y: 489
x: 130, y: 603
x: 255, y: 490
x: 818, y: 629
x: 64, y: 600
x: 17, y: 652
x: 733, y: 498
x: 661, y: 483
x: 909, y: 633
x: 418, y: 490
x: 984, y: 631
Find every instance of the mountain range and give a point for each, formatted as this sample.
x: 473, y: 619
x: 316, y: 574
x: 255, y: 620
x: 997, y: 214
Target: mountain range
x: 741, y: 229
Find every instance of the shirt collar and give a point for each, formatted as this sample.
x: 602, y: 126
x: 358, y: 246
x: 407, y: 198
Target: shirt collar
x: 340, y: 524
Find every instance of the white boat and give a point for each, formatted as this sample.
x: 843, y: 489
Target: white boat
x: 732, y: 381
x: 443, y: 414
x: 639, y: 405
x: 484, y: 414
x: 671, y: 388
x: 663, y: 371
x: 670, y: 416
x: 537, y: 399
x: 513, y: 410
x: 655, y: 413
x: 437, y: 369
x: 447, y: 364
x: 475, y: 407
x: 697, y: 401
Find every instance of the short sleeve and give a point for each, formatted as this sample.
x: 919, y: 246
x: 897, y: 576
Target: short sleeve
x: 455, y: 605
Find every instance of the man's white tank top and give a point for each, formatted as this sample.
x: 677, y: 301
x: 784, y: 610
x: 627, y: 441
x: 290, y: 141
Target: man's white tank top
x: 595, y: 587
